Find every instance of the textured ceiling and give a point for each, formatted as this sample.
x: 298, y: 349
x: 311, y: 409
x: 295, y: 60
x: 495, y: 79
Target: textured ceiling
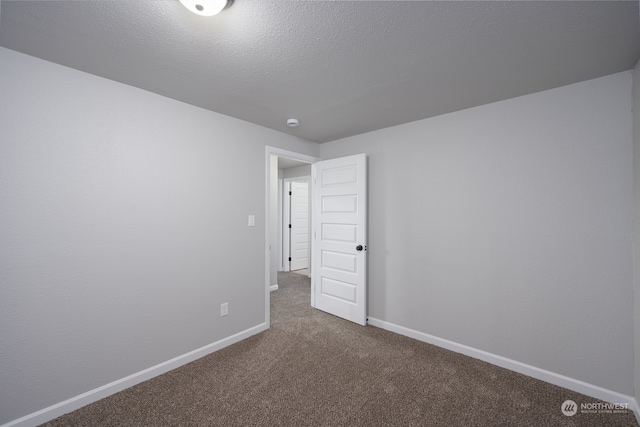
x: 340, y: 67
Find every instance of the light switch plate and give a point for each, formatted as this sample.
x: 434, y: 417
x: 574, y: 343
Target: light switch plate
x: 252, y: 220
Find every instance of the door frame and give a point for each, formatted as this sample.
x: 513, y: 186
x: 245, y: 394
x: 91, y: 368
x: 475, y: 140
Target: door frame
x: 268, y: 244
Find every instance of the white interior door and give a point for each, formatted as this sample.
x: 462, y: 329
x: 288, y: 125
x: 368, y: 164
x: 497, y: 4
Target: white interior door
x: 299, y: 225
x: 339, y: 237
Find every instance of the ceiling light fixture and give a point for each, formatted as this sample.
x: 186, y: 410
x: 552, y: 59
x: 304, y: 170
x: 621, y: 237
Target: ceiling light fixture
x: 206, y: 7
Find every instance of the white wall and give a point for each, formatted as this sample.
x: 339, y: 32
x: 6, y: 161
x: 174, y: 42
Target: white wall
x: 508, y: 228
x: 120, y: 231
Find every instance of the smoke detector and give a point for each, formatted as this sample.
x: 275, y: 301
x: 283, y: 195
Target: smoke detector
x: 293, y: 123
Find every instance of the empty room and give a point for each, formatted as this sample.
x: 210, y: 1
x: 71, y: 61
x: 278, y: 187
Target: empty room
x: 464, y: 252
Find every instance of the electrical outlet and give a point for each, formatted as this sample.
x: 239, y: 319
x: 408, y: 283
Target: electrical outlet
x: 224, y: 309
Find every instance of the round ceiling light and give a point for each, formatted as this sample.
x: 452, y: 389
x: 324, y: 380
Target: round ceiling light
x: 205, y: 7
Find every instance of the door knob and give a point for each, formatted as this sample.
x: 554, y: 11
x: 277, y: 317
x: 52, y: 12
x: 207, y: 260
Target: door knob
x: 359, y: 248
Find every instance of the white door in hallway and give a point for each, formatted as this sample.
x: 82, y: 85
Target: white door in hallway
x: 299, y: 206
x: 339, y: 237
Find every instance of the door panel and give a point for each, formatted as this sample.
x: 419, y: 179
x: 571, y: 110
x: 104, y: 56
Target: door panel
x: 339, y: 261
x: 339, y: 218
x: 340, y: 204
x: 339, y: 232
x: 341, y: 290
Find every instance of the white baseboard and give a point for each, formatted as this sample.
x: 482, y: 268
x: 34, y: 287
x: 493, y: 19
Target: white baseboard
x: 513, y: 365
x: 273, y: 288
x: 54, y: 411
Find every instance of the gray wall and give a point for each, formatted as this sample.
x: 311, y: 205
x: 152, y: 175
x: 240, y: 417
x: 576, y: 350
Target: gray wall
x: 508, y: 228
x: 297, y: 171
x: 636, y: 233
x: 123, y: 227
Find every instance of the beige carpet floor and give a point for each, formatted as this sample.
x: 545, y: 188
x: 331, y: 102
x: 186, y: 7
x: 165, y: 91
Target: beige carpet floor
x: 313, y: 369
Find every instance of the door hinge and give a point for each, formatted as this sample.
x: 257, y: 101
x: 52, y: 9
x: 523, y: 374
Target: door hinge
x: 290, y: 193
x: 289, y: 259
x: 289, y: 225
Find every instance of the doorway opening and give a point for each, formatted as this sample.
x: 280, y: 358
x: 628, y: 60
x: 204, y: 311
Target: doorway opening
x: 339, y: 222
x: 279, y: 244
